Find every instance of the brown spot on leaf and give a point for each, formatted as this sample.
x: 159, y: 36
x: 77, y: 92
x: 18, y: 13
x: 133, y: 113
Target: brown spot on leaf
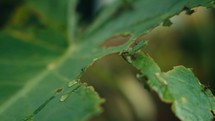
x: 115, y: 41
x: 58, y: 90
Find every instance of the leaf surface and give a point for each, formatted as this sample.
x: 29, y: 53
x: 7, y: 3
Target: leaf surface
x: 39, y: 59
x: 190, y: 100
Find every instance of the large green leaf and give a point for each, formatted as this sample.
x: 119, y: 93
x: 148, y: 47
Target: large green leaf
x: 38, y: 61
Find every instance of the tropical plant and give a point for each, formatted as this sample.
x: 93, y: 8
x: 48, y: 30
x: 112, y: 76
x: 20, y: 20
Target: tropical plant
x: 47, y: 45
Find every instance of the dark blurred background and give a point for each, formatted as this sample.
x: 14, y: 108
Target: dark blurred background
x: 189, y: 41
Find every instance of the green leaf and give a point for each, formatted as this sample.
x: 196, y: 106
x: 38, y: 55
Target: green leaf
x: 191, y: 101
x: 54, y: 13
x: 39, y: 59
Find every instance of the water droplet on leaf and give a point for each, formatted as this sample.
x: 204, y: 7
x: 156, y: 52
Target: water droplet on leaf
x: 95, y: 59
x: 138, y: 76
x: 71, y: 83
x: 129, y: 59
x: 161, y: 79
x: 64, y: 97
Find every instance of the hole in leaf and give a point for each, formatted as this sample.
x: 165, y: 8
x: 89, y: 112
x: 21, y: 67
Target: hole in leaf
x: 114, y: 74
x: 115, y: 41
x: 86, y: 10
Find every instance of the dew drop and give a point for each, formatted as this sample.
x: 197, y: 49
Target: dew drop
x: 64, y: 97
x: 71, y: 83
x: 95, y: 59
x: 129, y: 59
x: 161, y: 79
x: 138, y: 76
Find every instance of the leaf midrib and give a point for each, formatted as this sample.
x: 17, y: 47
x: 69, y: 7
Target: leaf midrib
x: 37, y: 79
